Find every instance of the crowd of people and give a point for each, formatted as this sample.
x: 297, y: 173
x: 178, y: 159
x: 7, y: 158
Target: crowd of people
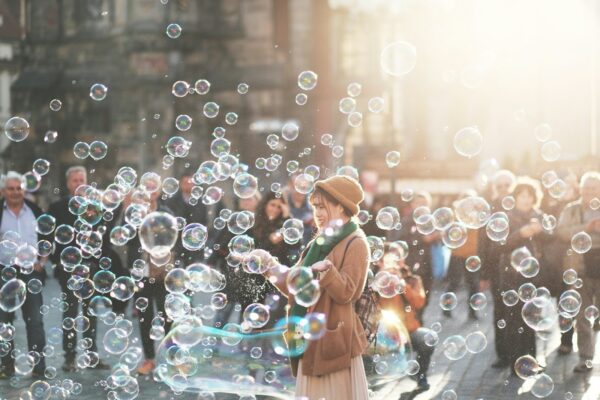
x: 529, y: 211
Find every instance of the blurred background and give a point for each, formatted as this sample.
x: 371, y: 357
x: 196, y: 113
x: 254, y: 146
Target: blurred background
x: 505, y: 66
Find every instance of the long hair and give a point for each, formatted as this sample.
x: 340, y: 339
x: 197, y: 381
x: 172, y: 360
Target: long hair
x: 263, y: 227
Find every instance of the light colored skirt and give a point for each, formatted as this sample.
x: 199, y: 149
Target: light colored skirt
x: 347, y: 384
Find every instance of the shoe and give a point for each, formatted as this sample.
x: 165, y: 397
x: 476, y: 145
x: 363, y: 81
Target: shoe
x: 582, y: 367
x: 500, y: 363
x: 101, y: 365
x: 147, y: 367
x: 422, y: 384
x: 69, y: 366
x: 565, y: 349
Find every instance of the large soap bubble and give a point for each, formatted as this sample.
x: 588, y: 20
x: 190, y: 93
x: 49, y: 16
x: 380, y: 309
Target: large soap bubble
x: 398, y: 58
x: 158, y: 233
x: 12, y: 295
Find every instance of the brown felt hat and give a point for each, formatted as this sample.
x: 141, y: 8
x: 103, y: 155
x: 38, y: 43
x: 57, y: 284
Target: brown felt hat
x: 344, y: 189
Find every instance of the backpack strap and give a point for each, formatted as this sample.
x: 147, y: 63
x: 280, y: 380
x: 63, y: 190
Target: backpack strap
x: 346, y: 249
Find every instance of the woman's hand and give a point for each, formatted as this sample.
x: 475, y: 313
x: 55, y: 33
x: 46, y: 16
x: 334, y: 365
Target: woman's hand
x: 322, y: 266
x: 275, y: 237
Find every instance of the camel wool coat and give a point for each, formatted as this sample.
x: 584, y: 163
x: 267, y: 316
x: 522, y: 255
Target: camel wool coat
x: 341, y: 286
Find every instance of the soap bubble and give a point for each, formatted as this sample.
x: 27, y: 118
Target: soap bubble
x: 194, y: 236
x: 376, y: 105
x: 81, y: 150
x: 454, y: 347
x: 242, y: 88
x: 16, y: 129
x: 98, y: 92
x: 304, y: 183
x: 455, y: 235
x: 581, y: 242
x: 45, y: 224
x: 468, y: 141
x: 354, y: 120
x: 448, y: 301
x: 387, y: 218
x: 177, y: 280
x: 497, y: 228
x: 301, y: 99
x: 55, y: 104
x: 551, y: 151
x: 473, y: 264
x: 245, y: 186
x: 24, y: 364
x: 41, y: 166
x: 539, y: 313
x: 183, y: 122
x: 347, y: 105
x: 526, y: 366
x: 211, y: 109
x: 398, y: 58
x: 543, y: 386
x: 173, y: 31
x: 510, y: 297
x: 442, y: 218
x: 392, y: 158
x: 158, y: 233
x: 478, y: 301
x: 12, y: 295
x: 290, y: 131
x: 202, y: 87
x: 50, y: 136
x: 256, y: 315
x: 123, y: 288
x: 231, y: 118
x: 476, y: 342
x: 387, y: 284
x: 180, y: 89
x: 307, y: 80
x: 474, y: 212
x: 115, y: 341
x: 98, y: 150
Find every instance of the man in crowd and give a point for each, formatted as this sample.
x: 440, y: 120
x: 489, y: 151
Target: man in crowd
x: 583, y: 215
x: 76, y: 176
x: 19, y: 217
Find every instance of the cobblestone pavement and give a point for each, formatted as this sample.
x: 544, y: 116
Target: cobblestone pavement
x: 471, y: 377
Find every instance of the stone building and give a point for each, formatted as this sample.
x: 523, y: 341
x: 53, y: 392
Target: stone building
x: 69, y: 45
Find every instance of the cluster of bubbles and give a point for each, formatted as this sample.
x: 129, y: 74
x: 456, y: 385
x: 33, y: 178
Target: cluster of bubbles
x: 96, y: 150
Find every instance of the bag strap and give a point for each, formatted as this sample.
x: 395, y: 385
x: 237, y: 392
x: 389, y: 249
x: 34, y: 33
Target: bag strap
x: 346, y: 249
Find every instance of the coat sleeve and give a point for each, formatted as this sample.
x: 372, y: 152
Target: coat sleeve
x: 345, y: 284
x: 568, y: 224
x: 277, y: 276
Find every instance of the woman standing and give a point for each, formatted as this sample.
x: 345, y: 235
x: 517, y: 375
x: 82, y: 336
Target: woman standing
x: 331, y: 367
x: 517, y: 338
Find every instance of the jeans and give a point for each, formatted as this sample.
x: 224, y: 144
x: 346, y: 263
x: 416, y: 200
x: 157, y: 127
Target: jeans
x: 152, y: 291
x: 70, y: 336
x: 34, y: 325
x: 424, y: 352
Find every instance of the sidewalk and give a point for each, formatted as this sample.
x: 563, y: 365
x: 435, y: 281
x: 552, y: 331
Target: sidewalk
x: 470, y: 377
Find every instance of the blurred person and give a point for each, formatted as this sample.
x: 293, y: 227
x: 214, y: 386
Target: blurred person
x: 405, y: 306
x: 76, y: 176
x: 489, y: 251
x: 19, y: 216
x: 300, y: 209
x: 152, y: 292
x: 419, y: 246
x: 241, y: 288
x: 456, y: 267
x: 371, y: 228
x: 516, y: 338
x: 583, y: 215
x: 331, y: 367
x: 183, y: 204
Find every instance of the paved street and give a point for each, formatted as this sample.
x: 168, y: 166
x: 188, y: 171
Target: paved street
x: 470, y: 377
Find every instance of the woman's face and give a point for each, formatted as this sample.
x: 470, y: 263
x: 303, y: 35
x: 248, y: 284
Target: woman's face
x: 248, y: 204
x: 273, y: 209
x: 325, y: 212
x: 524, y: 201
